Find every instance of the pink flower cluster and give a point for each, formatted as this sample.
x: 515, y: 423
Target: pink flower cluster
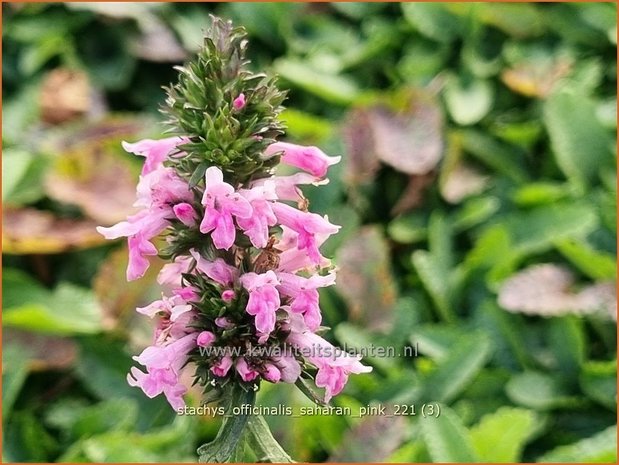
x: 223, y: 295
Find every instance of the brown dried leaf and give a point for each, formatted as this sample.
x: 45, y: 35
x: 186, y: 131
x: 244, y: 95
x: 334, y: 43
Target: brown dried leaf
x: 361, y: 162
x: 413, y: 196
x: 365, y: 278
x: 119, y: 298
x: 31, y: 231
x: 65, y: 95
x: 46, y: 352
x: 410, y: 141
x: 373, y: 439
x: 462, y: 181
x: 536, y: 78
x: 99, y: 182
x: 546, y: 290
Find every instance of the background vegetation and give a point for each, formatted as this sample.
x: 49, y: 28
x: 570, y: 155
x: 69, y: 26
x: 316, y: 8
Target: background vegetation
x: 477, y: 196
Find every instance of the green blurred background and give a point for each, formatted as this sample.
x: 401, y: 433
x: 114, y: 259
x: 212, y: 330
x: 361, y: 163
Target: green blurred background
x: 477, y: 195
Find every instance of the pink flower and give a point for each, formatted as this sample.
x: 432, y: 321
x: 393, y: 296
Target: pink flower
x: 307, y: 226
x: 304, y: 294
x: 286, y: 187
x: 256, y: 227
x: 163, y: 365
x: 221, y: 204
x: 155, y: 151
x: 263, y: 299
x: 224, y: 322
x: 161, y: 188
x: 171, y: 273
x: 333, y: 365
x: 289, y: 367
x: 247, y: 373
x: 218, y: 270
x: 228, y: 296
x: 205, y: 339
x: 239, y: 102
x: 271, y: 373
x: 185, y: 213
x: 222, y: 367
x: 139, y: 248
x: 310, y: 159
x: 292, y: 259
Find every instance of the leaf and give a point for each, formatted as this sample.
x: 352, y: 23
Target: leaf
x: 540, y: 193
x: 501, y: 436
x: 436, y: 280
x: 30, y: 231
x: 447, y: 439
x: 568, y: 344
x: 544, y: 289
x: 331, y: 87
x: 411, y: 141
x: 15, y: 369
x: 503, y: 158
x: 432, y: 20
x: 599, y: 381
x: 468, y: 99
x: 22, y: 173
x: 65, y: 95
x: 601, y: 447
x: 436, y: 341
x: 475, y: 211
x: 579, y: 142
x: 408, y: 229
x: 538, y: 391
x: 373, y: 439
x: 365, y: 268
x: 466, y: 357
x: 594, y: 263
x: 67, y: 310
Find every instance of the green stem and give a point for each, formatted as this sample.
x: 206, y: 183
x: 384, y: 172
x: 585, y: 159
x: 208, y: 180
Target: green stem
x: 262, y: 442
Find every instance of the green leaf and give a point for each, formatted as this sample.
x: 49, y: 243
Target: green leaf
x: 435, y: 279
x: 15, y: 368
x: 540, y: 193
x: 594, y: 263
x: 447, y: 439
x: 468, y: 99
x: 599, y: 381
x: 568, y: 343
x: 68, y: 309
x: 433, y: 20
x: 475, y: 211
x: 501, y: 436
x: 333, y: 88
x: 579, y: 142
x: 538, y: 391
x: 466, y: 358
x: 601, y: 448
x: 408, y: 229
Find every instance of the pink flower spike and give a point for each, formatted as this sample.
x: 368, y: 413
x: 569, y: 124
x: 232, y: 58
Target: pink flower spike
x: 138, y: 249
x: 239, y: 102
x: 219, y: 271
x: 185, y: 213
x: 287, y: 187
x: 155, y: 151
x: 304, y: 294
x: 170, y: 273
x: 247, y: 373
x: 205, y: 339
x: 289, y: 368
x: 221, y: 204
x: 228, y: 296
x: 310, y: 159
x: 222, y: 367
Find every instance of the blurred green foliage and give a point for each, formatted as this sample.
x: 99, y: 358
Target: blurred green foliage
x: 477, y: 197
